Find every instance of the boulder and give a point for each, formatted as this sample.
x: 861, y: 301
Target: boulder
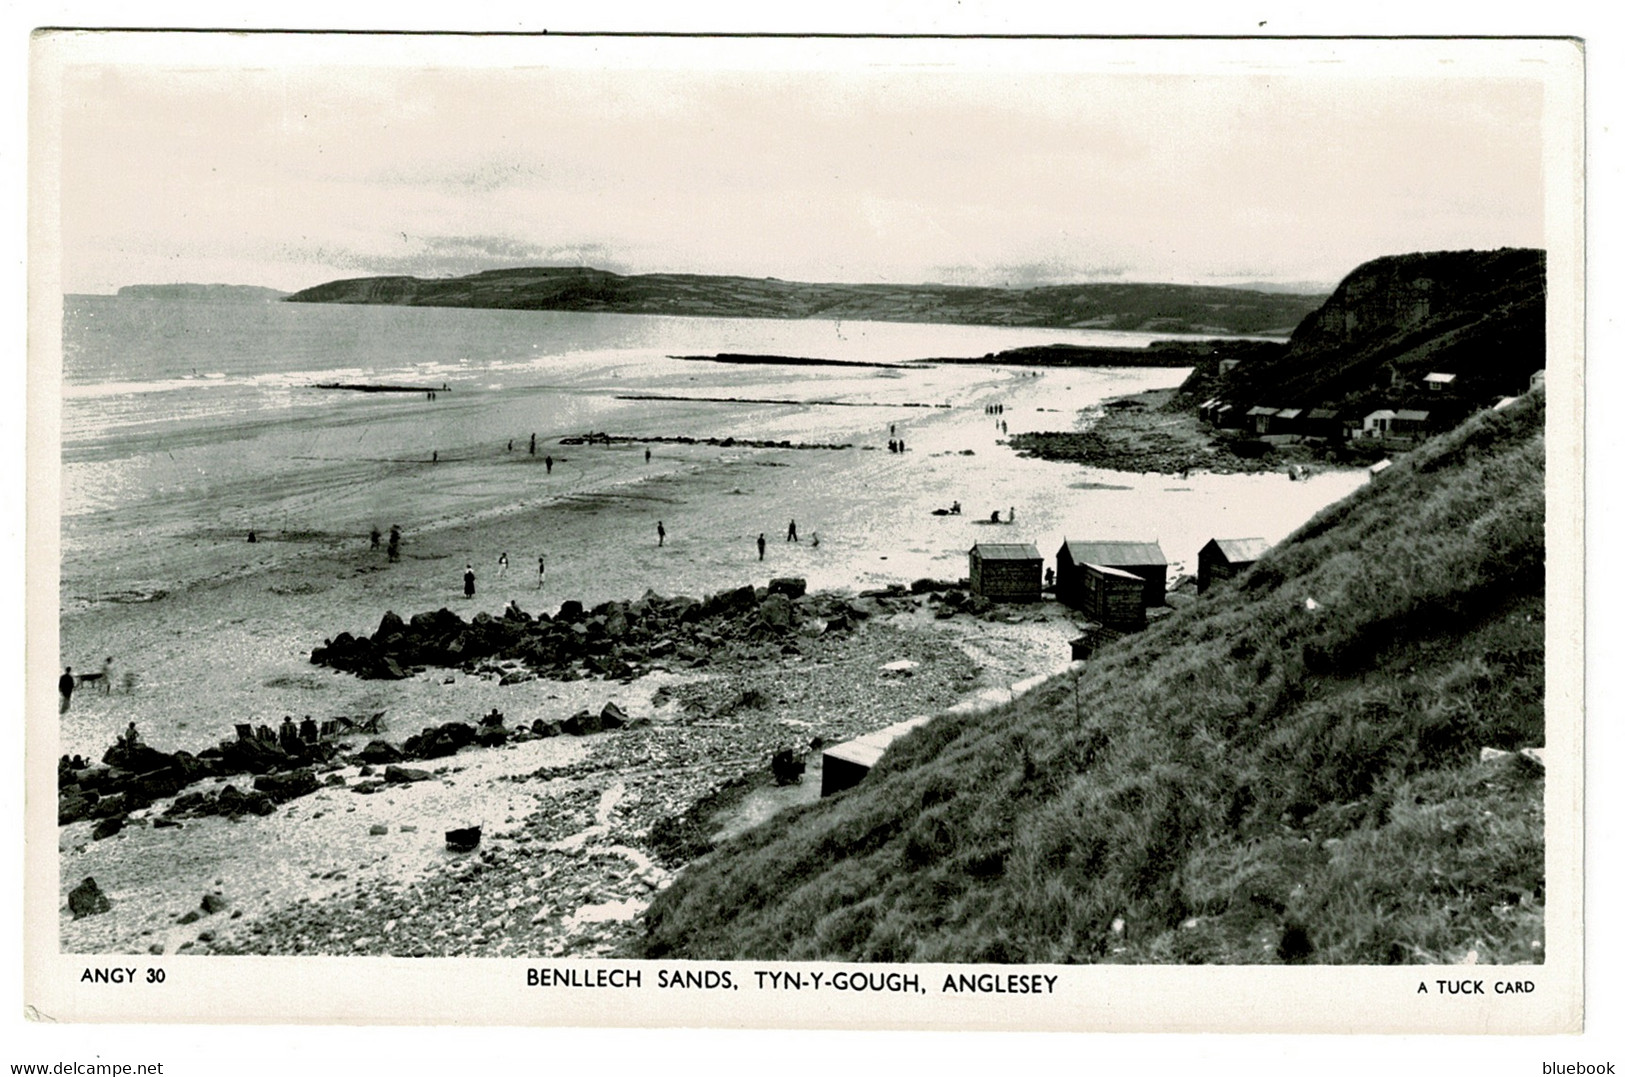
x: 582, y: 723
x: 379, y: 751
x: 570, y: 611
x: 546, y: 729
x: 463, y: 839
x: 212, y: 903
x: 391, y: 625
x: 612, y: 717
x: 87, y: 899
x: 73, y: 806
x: 287, y: 786
x: 107, y: 828
x: 402, y: 775
x: 378, y: 830
x: 788, y: 586
x: 438, y: 741
x: 777, y: 612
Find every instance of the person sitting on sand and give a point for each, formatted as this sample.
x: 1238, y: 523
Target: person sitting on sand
x: 251, y: 537
x: 995, y: 515
x: 815, y: 540
x: 761, y: 546
x: 468, y: 581
x: 954, y: 508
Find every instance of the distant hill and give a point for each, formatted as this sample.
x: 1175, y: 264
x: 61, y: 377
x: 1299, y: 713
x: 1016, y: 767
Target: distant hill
x: 1253, y: 779
x: 1161, y: 308
x: 1480, y: 315
x: 217, y: 293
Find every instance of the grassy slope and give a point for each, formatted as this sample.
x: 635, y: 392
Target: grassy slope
x: 1248, y: 780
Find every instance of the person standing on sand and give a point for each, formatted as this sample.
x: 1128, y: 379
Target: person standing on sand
x: 106, y: 683
x: 65, y: 686
x: 541, y: 572
x: 502, y: 564
x: 761, y: 546
x: 468, y: 581
x: 790, y: 536
x: 394, y: 542
x: 375, y: 537
x: 533, y: 445
x: 646, y: 454
x: 550, y: 465
x: 660, y: 532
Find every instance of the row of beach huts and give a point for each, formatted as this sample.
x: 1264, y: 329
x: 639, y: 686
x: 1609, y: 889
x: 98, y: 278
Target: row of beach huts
x: 1110, y: 582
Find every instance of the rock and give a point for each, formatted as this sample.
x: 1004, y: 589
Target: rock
x: 438, y: 741
x: 570, y: 611
x: 546, y: 729
x: 282, y: 788
x: 156, y: 949
x: 777, y: 611
x: 107, y: 827
x: 582, y: 723
x: 212, y: 903
x: 612, y: 717
x: 1492, y: 755
x: 463, y: 839
x: 401, y: 775
x: 378, y: 830
x: 788, y: 586
x: 161, y: 823
x: 191, y: 916
x: 72, y: 807
x: 87, y: 899
x: 379, y: 751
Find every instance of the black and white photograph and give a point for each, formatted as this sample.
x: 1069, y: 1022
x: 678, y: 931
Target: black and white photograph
x: 790, y: 531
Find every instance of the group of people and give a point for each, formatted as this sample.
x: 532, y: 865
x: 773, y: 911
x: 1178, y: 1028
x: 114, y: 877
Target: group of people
x: 394, y: 541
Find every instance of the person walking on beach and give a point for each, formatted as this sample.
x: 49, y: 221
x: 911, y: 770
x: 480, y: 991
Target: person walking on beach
x: 790, y: 536
x: 394, y: 542
x: 646, y: 454
x: 761, y: 546
x: 502, y: 564
x: 468, y: 581
x: 375, y: 537
x: 533, y: 445
x: 660, y: 532
x: 550, y: 465
x: 65, y: 686
x: 510, y: 444
x: 541, y: 572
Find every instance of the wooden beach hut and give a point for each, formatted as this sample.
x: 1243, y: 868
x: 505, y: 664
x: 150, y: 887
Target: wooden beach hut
x: 1144, y: 559
x: 1225, y: 559
x: 1007, y: 571
x: 1112, y: 596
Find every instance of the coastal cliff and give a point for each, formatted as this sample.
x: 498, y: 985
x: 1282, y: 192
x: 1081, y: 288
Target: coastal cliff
x: 1159, y: 308
x: 1479, y: 315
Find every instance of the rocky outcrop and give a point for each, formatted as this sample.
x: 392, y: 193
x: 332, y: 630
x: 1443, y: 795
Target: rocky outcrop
x: 614, y: 640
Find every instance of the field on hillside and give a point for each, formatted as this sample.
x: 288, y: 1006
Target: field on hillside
x: 1289, y: 770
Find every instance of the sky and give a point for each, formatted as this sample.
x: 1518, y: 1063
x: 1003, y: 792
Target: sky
x: 1187, y: 162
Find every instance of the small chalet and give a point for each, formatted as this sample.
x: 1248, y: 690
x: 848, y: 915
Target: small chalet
x: 1439, y: 383
x: 1410, y: 421
x: 1007, y: 571
x: 1225, y: 559
x: 1321, y: 423
x: 1143, y: 559
x: 1378, y: 424
x: 1261, y: 417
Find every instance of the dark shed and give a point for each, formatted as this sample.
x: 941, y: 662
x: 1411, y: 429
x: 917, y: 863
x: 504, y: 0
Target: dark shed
x: 1112, y: 596
x: 1224, y: 559
x: 1007, y: 571
x: 1144, y: 559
